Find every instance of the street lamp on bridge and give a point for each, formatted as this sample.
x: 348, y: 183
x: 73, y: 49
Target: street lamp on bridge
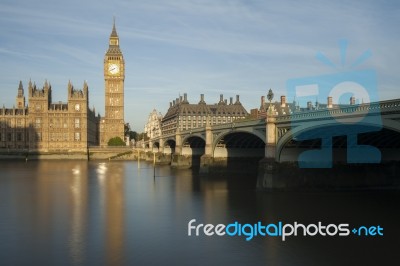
x: 270, y: 96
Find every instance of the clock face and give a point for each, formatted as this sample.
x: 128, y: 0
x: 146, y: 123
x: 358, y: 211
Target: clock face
x: 113, y: 68
x: 77, y: 107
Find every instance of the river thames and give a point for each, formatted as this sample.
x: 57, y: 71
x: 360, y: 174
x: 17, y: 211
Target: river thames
x: 122, y: 213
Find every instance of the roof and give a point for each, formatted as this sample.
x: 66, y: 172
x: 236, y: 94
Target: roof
x: 114, y: 31
x: 219, y: 109
x: 114, y: 49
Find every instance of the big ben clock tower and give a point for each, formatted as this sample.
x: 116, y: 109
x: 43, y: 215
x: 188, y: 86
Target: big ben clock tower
x: 112, y: 125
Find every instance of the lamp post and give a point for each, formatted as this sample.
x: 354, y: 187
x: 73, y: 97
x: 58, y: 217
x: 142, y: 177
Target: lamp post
x: 270, y: 96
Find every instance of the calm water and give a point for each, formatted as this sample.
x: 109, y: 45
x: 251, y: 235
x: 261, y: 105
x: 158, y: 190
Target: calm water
x: 115, y: 213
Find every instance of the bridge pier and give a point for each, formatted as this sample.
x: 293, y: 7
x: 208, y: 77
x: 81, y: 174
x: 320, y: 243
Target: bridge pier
x: 268, y: 175
x: 206, y: 162
x: 178, y: 142
x: 161, y: 146
x: 177, y: 159
x: 162, y: 158
x: 181, y: 161
x: 270, y: 138
x: 207, y: 159
x: 267, y: 167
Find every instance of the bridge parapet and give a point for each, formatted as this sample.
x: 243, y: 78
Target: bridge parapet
x: 376, y: 107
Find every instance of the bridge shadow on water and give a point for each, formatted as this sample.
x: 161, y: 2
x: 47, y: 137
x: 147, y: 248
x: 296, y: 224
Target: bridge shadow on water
x: 236, y: 160
x: 237, y: 157
x: 347, y: 170
x: 239, y: 174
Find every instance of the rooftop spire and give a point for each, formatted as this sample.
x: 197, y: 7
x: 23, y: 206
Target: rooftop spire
x: 113, y: 48
x: 114, y: 30
x: 20, y: 89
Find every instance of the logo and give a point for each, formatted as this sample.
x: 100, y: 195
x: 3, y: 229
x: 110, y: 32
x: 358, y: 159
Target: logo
x: 281, y: 230
x: 351, y: 108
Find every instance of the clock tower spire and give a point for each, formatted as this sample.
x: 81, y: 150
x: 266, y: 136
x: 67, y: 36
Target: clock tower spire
x: 112, y: 124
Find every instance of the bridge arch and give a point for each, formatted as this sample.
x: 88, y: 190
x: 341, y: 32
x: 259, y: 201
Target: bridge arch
x: 238, y: 144
x: 193, y: 145
x: 193, y: 137
x: 391, y: 124
x: 156, y: 146
x: 169, y: 146
x: 373, y: 134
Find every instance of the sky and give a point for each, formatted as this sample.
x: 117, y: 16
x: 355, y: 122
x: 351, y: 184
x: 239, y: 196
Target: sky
x: 210, y: 47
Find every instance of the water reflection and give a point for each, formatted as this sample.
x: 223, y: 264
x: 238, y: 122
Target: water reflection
x: 112, y: 213
x: 78, y: 188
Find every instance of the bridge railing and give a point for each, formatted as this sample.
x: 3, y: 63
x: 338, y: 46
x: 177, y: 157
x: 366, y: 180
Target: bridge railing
x: 235, y: 124
x: 381, y: 107
x: 240, y: 123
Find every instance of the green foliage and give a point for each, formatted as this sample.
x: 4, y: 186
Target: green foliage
x: 127, y: 129
x: 143, y: 136
x: 116, y: 141
x: 133, y: 135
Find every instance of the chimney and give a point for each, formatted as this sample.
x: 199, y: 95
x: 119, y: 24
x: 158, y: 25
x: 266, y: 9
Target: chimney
x: 180, y: 99
x: 352, y: 100
x: 262, y: 102
x: 230, y: 100
x: 330, y: 102
x: 173, y: 102
x: 226, y: 101
x: 237, y: 99
x: 202, y: 98
x: 221, y: 98
x: 170, y: 104
x: 185, y: 97
x: 283, y: 101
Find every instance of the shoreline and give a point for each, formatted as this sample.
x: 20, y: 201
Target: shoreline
x: 96, y: 153
x: 284, y: 177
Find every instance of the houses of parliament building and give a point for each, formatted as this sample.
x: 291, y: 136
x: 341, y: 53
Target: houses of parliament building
x: 45, y: 126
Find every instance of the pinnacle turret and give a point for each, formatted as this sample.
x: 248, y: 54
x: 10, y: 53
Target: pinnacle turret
x: 20, y: 90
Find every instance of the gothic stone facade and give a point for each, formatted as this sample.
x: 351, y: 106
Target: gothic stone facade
x: 44, y: 126
x: 71, y: 126
x: 153, y: 125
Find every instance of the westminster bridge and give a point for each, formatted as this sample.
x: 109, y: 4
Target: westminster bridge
x: 356, y: 134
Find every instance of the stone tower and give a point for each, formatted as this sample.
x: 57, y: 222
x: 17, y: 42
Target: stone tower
x: 20, y: 99
x: 112, y: 124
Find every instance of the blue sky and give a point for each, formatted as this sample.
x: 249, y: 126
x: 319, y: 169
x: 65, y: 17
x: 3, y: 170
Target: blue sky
x: 172, y: 47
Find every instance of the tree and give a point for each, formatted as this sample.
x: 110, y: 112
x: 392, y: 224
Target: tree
x: 133, y: 135
x: 127, y: 129
x: 116, y: 141
x: 128, y: 132
x: 143, y: 136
